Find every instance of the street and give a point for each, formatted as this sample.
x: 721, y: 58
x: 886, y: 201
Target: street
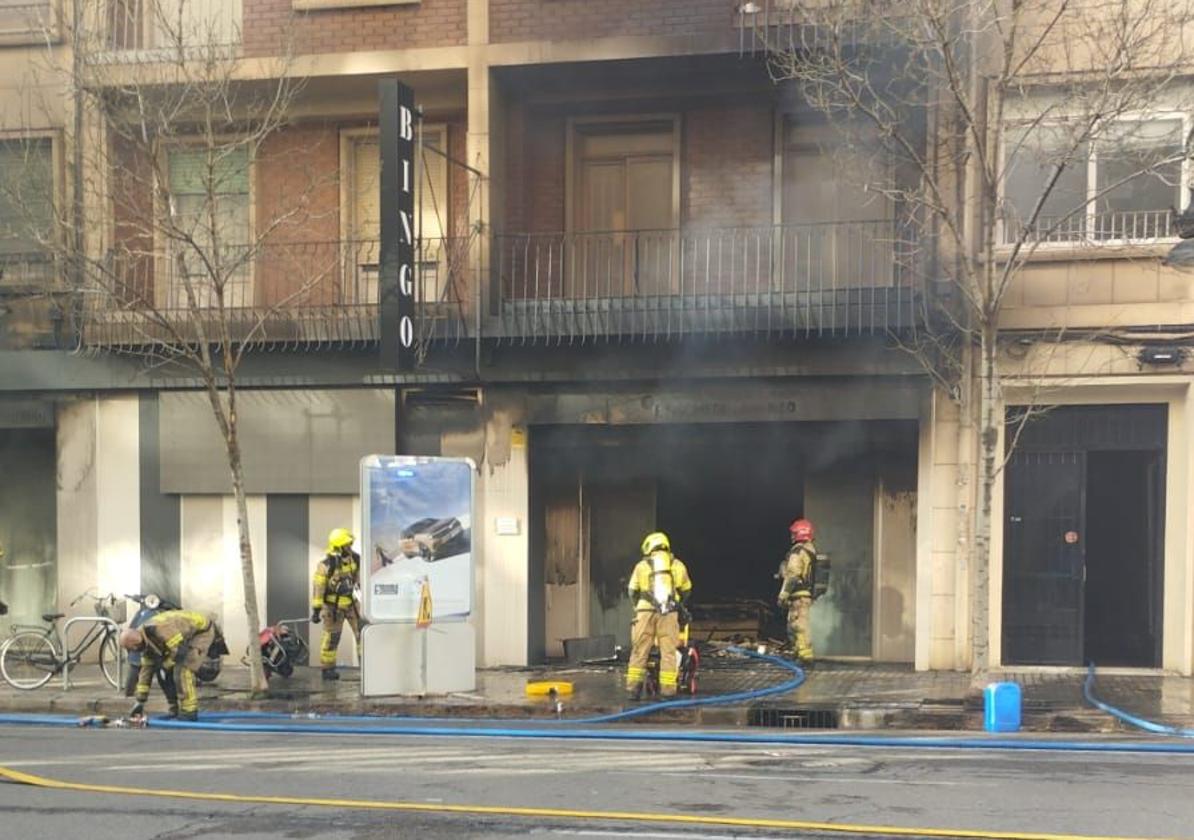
x: 1129, y: 795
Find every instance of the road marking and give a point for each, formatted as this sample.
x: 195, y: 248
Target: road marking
x: 552, y: 813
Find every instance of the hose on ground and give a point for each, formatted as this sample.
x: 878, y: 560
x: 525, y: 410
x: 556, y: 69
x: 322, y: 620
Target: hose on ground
x: 1130, y: 719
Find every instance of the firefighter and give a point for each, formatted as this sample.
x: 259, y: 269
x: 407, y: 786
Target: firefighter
x: 333, y: 599
x: 796, y: 591
x: 658, y: 586
x: 174, y: 640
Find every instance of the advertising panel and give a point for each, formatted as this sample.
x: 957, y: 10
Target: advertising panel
x: 417, y: 529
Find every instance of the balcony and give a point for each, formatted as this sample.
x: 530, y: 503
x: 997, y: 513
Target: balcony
x: 163, y: 30
x: 28, y: 273
x: 836, y: 278
x: 296, y: 295
x: 1117, y: 227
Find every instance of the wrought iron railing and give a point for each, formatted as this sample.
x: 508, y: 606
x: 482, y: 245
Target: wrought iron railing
x: 830, y: 278
x: 29, y: 272
x: 286, y: 293
x: 141, y: 27
x: 1126, y: 226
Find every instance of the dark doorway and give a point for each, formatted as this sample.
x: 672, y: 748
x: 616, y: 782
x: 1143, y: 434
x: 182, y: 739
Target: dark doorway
x: 1123, y: 566
x: 1043, y: 558
x: 28, y: 522
x: 1083, y: 537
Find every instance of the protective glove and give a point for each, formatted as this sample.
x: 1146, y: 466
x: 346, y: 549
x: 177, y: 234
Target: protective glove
x: 314, y: 616
x: 782, y: 600
x: 138, y: 709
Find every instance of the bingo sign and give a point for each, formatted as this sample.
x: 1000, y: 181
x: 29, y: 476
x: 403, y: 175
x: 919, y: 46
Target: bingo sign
x: 417, y: 517
x: 396, y: 133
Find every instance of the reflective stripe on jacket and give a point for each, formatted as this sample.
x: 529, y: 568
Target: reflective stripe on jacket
x: 164, y: 634
x: 334, y: 581
x: 798, y: 571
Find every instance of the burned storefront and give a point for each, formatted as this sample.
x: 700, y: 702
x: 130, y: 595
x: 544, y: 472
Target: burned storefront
x: 724, y: 474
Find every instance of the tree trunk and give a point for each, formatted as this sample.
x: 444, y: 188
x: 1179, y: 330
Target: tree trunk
x: 227, y: 421
x: 988, y: 471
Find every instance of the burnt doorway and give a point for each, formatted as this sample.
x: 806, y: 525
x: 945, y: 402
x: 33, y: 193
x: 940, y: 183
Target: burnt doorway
x: 1083, y: 537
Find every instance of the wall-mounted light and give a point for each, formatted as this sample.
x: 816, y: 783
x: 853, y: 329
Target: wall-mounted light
x: 1161, y: 356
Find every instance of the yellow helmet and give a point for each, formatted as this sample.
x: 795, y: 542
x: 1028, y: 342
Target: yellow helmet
x: 656, y: 541
x: 340, y: 538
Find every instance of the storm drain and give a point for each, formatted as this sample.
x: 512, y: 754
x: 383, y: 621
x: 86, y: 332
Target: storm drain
x: 793, y: 718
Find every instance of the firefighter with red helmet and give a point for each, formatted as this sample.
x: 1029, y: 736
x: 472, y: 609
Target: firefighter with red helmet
x: 796, y: 591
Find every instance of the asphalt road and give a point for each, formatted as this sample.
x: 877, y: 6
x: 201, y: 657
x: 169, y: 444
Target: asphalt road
x: 1136, y: 795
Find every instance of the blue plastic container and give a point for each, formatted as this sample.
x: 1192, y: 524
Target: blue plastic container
x: 1001, y: 707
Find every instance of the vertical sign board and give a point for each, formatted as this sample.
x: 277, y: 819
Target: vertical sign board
x: 396, y: 132
x: 417, y: 518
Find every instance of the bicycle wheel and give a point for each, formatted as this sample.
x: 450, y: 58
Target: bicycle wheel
x: 109, y: 657
x: 28, y: 660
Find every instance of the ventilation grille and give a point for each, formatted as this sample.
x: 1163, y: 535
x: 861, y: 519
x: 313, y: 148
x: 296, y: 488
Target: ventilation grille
x: 793, y: 718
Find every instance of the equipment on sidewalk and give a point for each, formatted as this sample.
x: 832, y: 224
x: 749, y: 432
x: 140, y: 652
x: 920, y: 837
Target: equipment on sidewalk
x: 688, y: 662
x: 282, y: 649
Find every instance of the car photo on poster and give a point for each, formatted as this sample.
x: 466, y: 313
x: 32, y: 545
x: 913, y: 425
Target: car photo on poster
x: 434, y: 539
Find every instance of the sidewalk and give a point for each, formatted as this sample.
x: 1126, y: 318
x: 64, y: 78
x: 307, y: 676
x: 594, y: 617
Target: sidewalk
x: 835, y: 696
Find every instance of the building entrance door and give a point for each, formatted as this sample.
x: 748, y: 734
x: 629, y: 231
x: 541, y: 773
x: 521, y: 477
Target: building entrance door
x: 1083, y: 536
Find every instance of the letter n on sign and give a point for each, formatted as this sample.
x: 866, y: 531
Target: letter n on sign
x: 396, y: 282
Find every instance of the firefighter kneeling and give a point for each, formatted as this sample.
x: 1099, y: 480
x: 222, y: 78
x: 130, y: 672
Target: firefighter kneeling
x: 333, y: 599
x: 175, y: 639
x: 658, y: 586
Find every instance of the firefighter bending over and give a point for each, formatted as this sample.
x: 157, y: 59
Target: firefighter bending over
x: 175, y: 640
x: 796, y: 592
x: 658, y: 586
x: 333, y: 599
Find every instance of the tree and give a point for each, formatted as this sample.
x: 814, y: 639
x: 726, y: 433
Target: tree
x: 167, y: 138
x: 979, y: 119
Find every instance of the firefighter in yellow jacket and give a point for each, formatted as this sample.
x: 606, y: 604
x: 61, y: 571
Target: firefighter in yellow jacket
x: 333, y: 599
x: 796, y: 591
x: 658, y: 585
x: 173, y: 640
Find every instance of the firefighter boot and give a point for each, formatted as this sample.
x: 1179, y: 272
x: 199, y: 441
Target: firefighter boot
x: 190, y: 717
x: 172, y: 714
x: 329, y: 674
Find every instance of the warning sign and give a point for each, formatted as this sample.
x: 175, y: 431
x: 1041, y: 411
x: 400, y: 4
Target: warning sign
x: 423, y: 620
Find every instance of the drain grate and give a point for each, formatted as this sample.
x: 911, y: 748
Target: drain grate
x: 793, y: 718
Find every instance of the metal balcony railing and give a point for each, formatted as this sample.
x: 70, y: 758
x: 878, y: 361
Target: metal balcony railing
x: 1119, y: 226
x: 29, y: 272
x: 141, y: 28
x: 833, y: 278
x: 301, y: 294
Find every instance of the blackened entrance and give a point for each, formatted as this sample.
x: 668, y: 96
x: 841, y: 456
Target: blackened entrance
x: 1084, y: 493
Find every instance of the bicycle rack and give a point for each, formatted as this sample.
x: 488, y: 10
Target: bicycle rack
x: 95, y: 619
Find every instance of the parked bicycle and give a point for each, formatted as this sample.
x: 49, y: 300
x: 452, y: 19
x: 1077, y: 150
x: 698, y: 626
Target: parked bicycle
x: 33, y: 655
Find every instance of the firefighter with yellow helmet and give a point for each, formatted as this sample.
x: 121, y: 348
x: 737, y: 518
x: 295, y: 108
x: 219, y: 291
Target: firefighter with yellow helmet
x: 658, y: 586
x: 333, y: 598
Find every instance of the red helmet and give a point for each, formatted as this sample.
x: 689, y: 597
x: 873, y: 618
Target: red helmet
x: 802, y: 530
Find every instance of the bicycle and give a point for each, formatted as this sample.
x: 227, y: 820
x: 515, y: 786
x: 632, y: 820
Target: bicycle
x: 31, y: 657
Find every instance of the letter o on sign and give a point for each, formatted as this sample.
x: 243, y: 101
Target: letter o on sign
x: 406, y: 331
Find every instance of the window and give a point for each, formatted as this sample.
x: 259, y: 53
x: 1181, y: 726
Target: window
x: 624, y: 211
x: 26, y: 209
x: 25, y: 21
x: 199, y: 25
x: 1120, y: 186
x: 363, y: 228
x: 838, y: 221
x: 209, y: 203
